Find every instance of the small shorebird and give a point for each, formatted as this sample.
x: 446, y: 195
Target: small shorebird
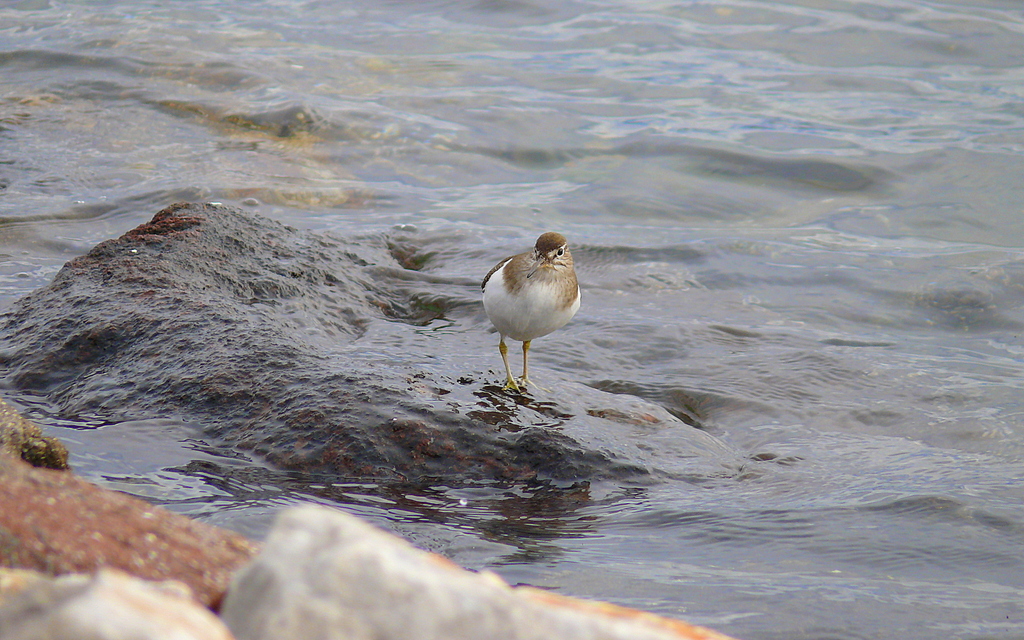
x: 530, y: 295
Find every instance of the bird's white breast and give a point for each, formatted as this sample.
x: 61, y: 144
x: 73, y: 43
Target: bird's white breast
x: 534, y: 311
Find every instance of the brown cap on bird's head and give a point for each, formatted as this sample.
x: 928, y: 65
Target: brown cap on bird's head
x: 549, y: 241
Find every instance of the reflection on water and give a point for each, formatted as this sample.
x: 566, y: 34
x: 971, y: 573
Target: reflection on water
x: 798, y: 231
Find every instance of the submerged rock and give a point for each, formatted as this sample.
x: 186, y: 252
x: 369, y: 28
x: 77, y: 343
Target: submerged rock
x: 56, y: 523
x: 326, y: 574
x: 109, y: 605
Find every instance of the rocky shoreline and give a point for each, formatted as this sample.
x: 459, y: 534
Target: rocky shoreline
x: 81, y: 561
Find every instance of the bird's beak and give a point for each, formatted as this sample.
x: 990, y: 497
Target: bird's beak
x: 539, y: 260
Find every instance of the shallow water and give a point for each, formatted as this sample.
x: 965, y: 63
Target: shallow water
x: 796, y: 224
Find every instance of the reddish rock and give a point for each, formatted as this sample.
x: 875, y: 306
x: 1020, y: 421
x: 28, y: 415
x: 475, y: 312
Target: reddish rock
x: 53, y: 522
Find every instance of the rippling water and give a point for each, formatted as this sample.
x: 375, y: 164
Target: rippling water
x: 797, y: 224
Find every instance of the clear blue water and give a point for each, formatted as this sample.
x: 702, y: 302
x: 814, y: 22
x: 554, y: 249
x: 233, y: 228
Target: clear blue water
x: 797, y: 222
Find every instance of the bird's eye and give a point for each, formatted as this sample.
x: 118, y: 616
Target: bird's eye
x: 561, y: 251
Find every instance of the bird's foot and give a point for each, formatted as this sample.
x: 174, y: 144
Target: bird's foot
x: 512, y: 385
x: 525, y: 382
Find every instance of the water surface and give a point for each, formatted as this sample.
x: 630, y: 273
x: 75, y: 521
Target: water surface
x: 797, y: 225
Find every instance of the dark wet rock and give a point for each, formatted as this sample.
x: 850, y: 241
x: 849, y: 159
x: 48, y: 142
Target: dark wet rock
x: 23, y: 439
x: 56, y: 523
x: 255, y: 331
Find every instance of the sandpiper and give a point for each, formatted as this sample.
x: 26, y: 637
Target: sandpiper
x: 530, y: 295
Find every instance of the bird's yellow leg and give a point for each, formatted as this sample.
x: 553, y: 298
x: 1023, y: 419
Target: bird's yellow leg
x: 510, y: 382
x: 526, y: 366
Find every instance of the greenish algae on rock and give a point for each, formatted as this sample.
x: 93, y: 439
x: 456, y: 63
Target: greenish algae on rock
x: 23, y: 439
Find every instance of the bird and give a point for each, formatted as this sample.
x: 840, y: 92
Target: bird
x: 529, y: 295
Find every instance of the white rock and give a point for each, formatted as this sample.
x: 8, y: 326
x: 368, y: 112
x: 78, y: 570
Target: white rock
x: 324, y: 575
x: 107, y: 606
